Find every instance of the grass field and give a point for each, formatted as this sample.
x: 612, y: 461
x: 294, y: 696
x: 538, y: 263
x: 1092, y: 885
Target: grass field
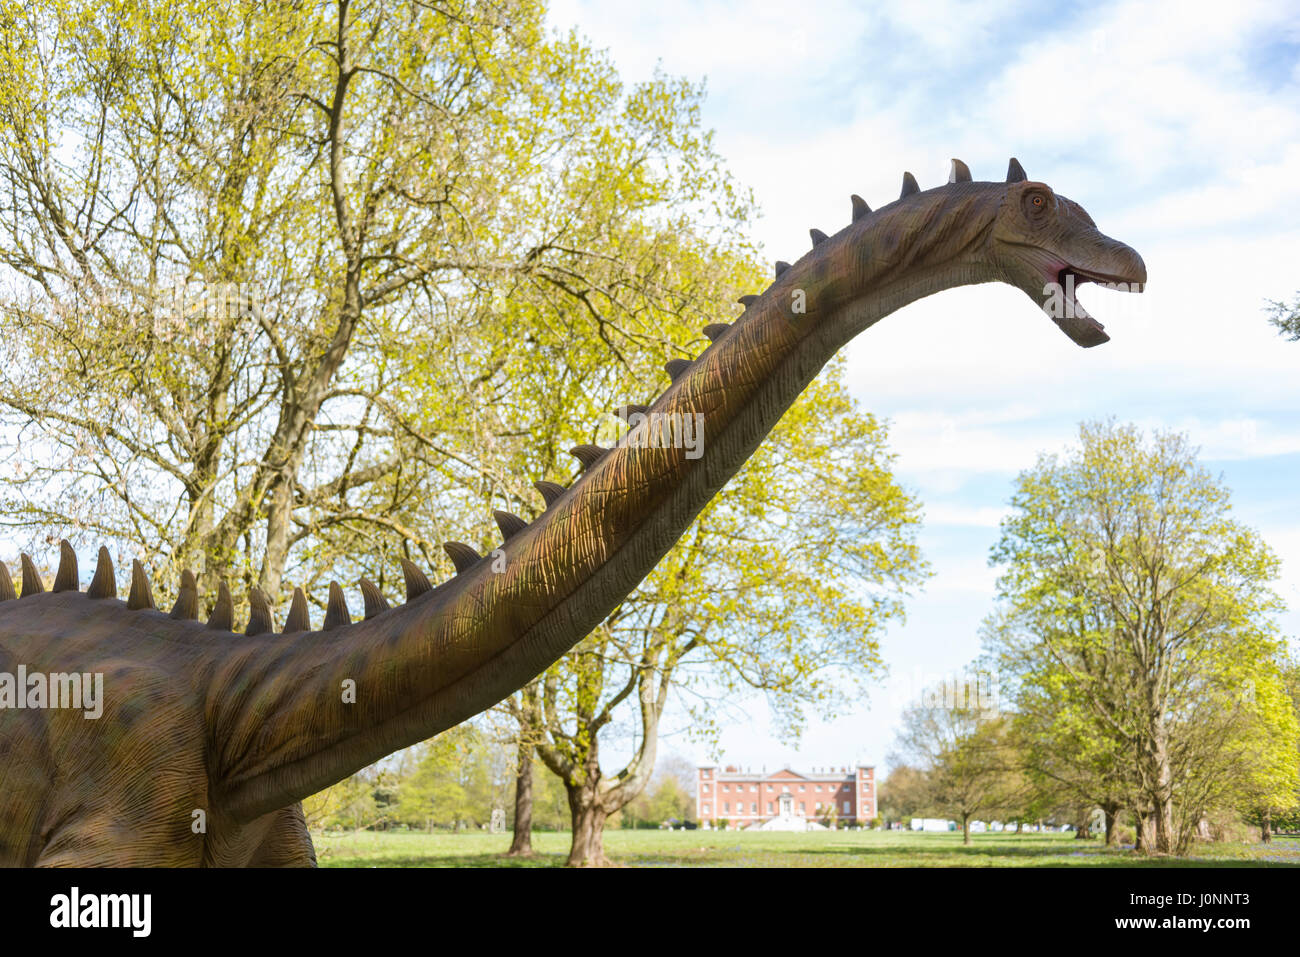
x: 817, y: 849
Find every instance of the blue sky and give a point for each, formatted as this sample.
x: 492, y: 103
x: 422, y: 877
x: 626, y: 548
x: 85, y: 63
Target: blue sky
x: 1174, y: 124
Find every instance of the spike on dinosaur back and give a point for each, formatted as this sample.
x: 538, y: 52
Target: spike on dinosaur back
x: 909, y: 186
x: 960, y: 172
x: 781, y: 267
x: 676, y: 368
x: 550, y: 491
x: 510, y: 524
x: 336, y: 611
x: 625, y: 412
x: 141, y: 595
x: 1015, y: 172
x: 104, y: 584
x: 463, y: 556
x: 223, y: 612
x: 714, y: 330
x: 860, y: 207
x: 260, y: 621
x: 588, y: 455
x: 66, y: 579
x: 417, y: 582
x: 818, y: 237
x: 747, y: 301
x: 7, y: 592
x: 299, y: 618
x: 32, y: 583
x: 187, y: 600
x: 375, y: 601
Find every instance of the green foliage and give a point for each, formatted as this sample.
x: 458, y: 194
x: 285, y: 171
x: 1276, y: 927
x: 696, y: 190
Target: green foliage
x: 1135, y: 634
x: 1286, y: 317
x: 963, y: 762
x: 664, y: 800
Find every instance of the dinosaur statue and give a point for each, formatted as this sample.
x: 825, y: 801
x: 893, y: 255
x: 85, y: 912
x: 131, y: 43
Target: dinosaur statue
x: 208, y: 739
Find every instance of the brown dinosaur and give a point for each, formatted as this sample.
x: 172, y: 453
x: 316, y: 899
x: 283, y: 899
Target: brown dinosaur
x: 208, y: 739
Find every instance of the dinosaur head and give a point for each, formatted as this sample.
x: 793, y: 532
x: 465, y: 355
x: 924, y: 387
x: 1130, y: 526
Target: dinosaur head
x: 1048, y: 246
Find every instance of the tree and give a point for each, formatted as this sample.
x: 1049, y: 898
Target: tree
x: 1065, y: 750
x: 782, y: 586
x: 447, y: 781
x: 961, y: 748
x: 294, y: 297
x: 1134, y: 604
x: 904, y: 793
x: 1286, y: 317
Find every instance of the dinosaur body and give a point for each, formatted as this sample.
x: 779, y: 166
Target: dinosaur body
x: 241, y: 727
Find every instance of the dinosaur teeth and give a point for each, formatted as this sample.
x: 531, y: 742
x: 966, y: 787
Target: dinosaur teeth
x: 299, y: 619
x: 1015, y: 172
x: 818, y: 237
x: 141, y: 594
x: 747, y: 301
x: 960, y: 172
x: 781, y: 266
x: 66, y: 579
x: 860, y: 207
x: 336, y: 611
x: 7, y: 592
x: 909, y: 186
x: 104, y: 584
x: 714, y: 330
x: 588, y: 455
x: 223, y: 612
x: 32, y: 583
x: 675, y: 367
x: 417, y: 582
x: 260, y: 621
x: 510, y: 524
x: 463, y: 556
x: 375, y: 601
x: 550, y: 491
x: 187, y: 600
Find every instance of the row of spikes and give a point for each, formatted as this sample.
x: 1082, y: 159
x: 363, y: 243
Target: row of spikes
x: 463, y: 557
x: 104, y: 582
x: 959, y: 173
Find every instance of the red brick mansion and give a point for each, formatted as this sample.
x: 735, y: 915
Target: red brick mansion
x: 845, y: 797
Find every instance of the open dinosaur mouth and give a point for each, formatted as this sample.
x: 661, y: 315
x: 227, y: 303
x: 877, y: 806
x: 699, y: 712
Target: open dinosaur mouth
x: 1069, y: 313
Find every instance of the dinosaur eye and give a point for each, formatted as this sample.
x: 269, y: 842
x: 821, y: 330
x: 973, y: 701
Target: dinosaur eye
x: 1036, y: 205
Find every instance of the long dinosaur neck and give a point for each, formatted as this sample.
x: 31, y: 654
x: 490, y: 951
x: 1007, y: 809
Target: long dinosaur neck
x: 283, y: 728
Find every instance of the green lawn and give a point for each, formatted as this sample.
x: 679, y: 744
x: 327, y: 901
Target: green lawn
x: 817, y: 849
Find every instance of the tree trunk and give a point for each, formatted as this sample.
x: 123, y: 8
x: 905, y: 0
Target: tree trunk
x: 588, y: 815
x: 1145, y: 840
x: 1112, y: 815
x: 965, y: 829
x: 521, y: 845
x: 1266, y: 827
